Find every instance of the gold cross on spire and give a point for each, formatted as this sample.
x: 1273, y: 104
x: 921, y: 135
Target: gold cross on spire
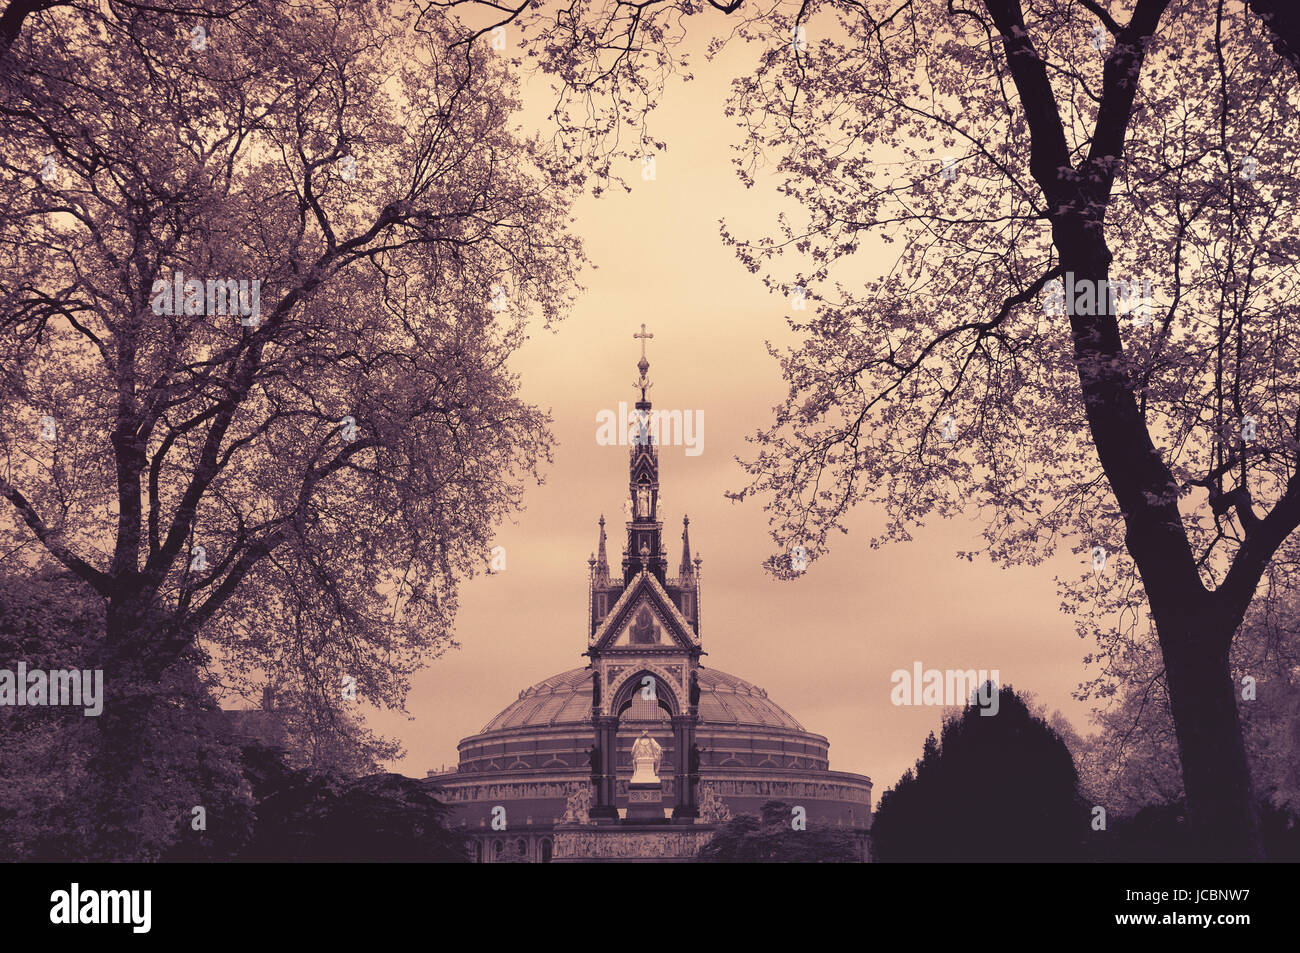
x: 644, y: 336
x: 643, y: 365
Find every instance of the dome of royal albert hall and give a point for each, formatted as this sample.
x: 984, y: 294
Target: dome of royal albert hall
x: 566, y: 698
x: 532, y: 755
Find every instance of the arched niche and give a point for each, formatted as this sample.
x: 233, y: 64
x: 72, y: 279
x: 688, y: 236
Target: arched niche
x: 665, y: 696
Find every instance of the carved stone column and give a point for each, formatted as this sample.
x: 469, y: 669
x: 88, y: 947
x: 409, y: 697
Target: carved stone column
x: 605, y: 730
x: 687, y: 781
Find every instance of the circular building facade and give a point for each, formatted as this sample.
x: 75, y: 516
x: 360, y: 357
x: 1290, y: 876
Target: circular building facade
x: 532, y: 756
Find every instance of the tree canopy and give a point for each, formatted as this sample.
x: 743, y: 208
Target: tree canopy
x: 261, y: 277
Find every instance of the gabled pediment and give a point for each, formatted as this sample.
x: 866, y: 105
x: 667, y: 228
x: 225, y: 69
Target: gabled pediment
x: 644, y: 470
x: 645, y: 618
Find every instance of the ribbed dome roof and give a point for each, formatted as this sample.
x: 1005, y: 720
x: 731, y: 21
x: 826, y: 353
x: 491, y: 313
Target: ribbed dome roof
x: 566, y: 699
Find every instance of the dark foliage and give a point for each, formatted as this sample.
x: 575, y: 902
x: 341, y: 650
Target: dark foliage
x: 1160, y: 833
x: 994, y: 788
x: 771, y: 839
x: 305, y: 816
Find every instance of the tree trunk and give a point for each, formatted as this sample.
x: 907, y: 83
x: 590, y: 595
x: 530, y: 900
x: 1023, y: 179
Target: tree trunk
x: 1194, y: 630
x: 1221, y: 804
x: 131, y: 690
x: 114, y: 767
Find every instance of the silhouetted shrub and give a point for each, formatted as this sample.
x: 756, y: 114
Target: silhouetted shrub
x: 993, y: 787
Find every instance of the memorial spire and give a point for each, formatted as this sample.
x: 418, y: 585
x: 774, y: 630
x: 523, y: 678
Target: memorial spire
x: 602, y: 560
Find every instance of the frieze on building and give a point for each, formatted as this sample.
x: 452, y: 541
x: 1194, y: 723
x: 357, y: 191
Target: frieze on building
x: 613, y: 844
x: 755, y: 787
x: 745, y: 787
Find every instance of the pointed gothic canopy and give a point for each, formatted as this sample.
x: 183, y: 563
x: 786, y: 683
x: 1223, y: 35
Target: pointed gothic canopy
x: 644, y: 551
x: 645, y: 614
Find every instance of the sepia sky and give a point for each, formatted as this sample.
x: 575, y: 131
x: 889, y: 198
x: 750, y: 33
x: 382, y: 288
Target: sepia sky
x: 824, y: 645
